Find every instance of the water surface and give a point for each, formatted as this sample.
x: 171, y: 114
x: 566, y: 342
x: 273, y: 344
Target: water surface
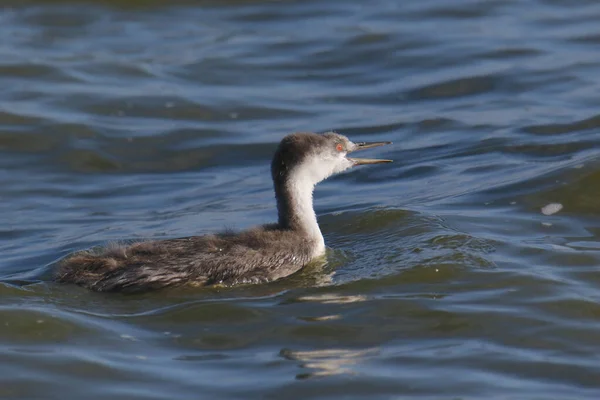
x: 444, y: 278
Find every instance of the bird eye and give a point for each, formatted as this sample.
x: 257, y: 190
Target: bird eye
x: 339, y: 147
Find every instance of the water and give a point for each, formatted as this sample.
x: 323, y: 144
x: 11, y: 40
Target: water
x: 444, y: 280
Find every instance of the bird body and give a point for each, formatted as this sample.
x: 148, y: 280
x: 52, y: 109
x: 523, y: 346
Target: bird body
x: 258, y: 255
x: 261, y: 254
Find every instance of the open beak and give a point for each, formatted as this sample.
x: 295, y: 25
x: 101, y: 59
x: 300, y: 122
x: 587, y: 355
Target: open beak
x: 364, y: 146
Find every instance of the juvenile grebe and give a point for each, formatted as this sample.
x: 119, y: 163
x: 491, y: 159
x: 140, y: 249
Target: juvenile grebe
x: 261, y: 254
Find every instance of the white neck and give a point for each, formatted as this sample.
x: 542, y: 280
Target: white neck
x: 301, y: 214
x: 294, y: 194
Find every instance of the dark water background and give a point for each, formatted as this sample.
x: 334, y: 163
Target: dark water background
x: 156, y: 119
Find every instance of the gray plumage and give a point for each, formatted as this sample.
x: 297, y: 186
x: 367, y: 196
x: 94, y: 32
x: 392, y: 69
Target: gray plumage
x: 258, y: 255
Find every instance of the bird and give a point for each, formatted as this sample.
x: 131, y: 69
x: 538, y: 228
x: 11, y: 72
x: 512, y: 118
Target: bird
x: 262, y: 254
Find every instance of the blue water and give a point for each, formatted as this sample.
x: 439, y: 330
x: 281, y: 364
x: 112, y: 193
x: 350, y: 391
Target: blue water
x: 444, y: 277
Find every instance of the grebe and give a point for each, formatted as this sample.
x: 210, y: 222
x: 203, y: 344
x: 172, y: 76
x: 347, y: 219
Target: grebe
x: 262, y: 254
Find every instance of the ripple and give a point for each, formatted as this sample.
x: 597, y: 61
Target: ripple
x: 31, y: 71
x: 558, y: 129
x: 88, y: 161
x: 22, y: 327
x: 470, y: 86
x: 148, y: 119
x: 28, y: 142
x: 592, y: 39
x: 13, y: 120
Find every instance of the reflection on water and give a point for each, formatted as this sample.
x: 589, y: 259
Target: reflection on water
x: 331, y: 298
x: 453, y: 272
x: 328, y: 362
